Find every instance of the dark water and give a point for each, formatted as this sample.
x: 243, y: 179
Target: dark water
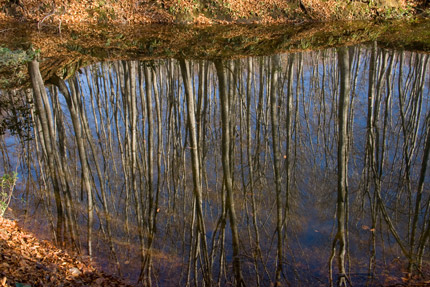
x: 306, y: 168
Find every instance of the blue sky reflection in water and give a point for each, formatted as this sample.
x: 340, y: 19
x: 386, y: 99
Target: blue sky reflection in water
x: 134, y: 124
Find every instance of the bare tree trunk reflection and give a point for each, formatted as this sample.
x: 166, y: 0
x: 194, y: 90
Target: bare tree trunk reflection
x: 342, y: 179
x: 192, y: 126
x: 226, y: 165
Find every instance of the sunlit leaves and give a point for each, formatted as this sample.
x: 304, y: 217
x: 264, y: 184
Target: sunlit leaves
x: 26, y: 261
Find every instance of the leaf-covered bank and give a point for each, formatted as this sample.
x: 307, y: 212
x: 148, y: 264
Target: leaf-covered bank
x: 26, y: 261
x: 206, y: 11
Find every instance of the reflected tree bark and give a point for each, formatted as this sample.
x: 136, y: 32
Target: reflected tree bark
x: 72, y: 102
x: 275, y: 64
x: 196, y: 167
x: 226, y: 164
x: 342, y: 178
x: 51, y: 154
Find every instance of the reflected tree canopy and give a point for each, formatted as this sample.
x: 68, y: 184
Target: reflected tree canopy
x: 306, y: 168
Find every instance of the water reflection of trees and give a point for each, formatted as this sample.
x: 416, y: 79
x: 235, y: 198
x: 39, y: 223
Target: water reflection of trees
x: 226, y: 171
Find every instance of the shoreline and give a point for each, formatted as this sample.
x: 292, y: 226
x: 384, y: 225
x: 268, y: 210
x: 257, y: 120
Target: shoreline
x: 74, y: 46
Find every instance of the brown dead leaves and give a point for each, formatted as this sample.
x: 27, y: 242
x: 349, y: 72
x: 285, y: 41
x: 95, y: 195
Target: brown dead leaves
x: 26, y: 260
x: 59, y: 13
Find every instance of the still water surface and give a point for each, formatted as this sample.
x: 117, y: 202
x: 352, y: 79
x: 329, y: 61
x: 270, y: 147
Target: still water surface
x: 305, y: 169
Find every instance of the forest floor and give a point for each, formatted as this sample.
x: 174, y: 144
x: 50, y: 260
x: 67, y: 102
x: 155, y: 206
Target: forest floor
x: 206, y: 11
x: 26, y: 261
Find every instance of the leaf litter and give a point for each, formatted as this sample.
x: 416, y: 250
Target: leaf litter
x: 26, y: 261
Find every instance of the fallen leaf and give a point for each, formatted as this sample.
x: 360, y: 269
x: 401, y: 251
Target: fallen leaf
x: 75, y: 271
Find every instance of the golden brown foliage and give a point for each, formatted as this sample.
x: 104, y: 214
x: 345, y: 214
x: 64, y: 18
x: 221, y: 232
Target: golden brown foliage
x: 201, y: 11
x: 24, y: 259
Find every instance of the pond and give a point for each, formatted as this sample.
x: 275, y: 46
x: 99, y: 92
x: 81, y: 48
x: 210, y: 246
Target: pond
x: 301, y: 168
